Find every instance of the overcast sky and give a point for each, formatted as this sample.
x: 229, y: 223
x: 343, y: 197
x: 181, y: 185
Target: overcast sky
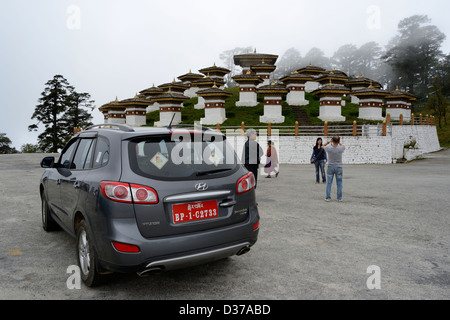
x: 111, y: 48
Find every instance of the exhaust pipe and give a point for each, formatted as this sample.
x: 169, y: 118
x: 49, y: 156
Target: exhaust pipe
x: 243, y: 250
x: 149, y: 271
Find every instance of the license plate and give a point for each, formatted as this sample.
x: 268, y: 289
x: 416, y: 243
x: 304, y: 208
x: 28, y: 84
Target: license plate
x: 202, y: 210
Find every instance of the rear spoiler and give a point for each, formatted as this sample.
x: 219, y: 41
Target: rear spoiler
x: 114, y: 126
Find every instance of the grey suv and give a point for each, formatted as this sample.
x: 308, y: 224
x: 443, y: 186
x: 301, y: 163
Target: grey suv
x: 149, y: 199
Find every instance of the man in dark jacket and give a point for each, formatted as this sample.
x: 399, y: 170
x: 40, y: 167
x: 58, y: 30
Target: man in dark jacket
x: 252, y: 153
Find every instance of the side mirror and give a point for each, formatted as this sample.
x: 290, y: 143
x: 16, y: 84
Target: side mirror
x: 48, y: 162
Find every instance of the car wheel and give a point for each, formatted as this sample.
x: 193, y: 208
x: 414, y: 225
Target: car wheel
x: 47, y: 220
x: 86, y: 256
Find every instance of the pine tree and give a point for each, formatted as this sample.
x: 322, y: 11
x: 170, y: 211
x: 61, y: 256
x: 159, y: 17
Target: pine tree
x: 414, y: 54
x: 59, y: 110
x: 5, y: 142
x: 52, y: 105
x: 75, y: 116
x: 437, y: 103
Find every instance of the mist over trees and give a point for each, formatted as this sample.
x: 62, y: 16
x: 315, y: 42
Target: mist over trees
x: 228, y: 61
x: 415, y: 54
x: 412, y: 60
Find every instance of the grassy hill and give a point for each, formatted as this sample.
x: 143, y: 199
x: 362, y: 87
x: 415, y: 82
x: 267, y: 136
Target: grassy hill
x: 237, y: 115
x: 444, y: 133
x: 250, y: 115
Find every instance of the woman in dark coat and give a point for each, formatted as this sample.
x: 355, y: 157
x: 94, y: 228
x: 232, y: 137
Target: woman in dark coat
x: 319, y: 158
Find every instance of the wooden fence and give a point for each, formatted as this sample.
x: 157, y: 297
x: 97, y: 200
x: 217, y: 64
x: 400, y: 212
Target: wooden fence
x: 325, y: 129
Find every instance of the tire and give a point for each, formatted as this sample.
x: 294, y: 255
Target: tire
x: 48, y: 224
x: 86, y: 256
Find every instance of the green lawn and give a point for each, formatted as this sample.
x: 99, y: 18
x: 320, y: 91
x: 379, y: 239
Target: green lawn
x: 250, y: 115
x: 444, y: 133
x: 235, y: 115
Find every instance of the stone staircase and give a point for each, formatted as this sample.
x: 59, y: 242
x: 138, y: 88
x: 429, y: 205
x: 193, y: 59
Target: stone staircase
x: 300, y: 115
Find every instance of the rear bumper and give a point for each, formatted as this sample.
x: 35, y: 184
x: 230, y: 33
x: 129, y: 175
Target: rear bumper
x: 196, y: 259
x: 179, y: 261
x: 175, y: 252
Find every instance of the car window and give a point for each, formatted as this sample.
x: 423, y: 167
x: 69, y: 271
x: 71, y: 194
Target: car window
x: 88, y: 162
x: 65, y: 159
x: 101, y: 154
x: 191, y: 156
x: 80, y: 157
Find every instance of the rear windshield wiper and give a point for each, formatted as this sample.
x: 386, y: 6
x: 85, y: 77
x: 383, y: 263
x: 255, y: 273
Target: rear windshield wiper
x: 202, y: 173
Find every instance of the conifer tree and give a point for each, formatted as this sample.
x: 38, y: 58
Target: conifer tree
x: 52, y: 105
x: 59, y: 110
x: 5, y: 144
x: 75, y: 115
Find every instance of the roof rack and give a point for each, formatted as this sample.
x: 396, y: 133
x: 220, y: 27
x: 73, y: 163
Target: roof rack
x: 115, y: 126
x: 196, y: 126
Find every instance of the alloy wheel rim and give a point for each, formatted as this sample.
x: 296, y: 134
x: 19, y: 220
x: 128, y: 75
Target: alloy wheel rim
x: 83, y: 252
x: 44, y: 209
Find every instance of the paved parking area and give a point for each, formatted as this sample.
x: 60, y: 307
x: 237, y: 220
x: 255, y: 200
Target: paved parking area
x: 394, y: 217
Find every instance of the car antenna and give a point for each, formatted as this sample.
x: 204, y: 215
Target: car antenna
x: 170, y: 124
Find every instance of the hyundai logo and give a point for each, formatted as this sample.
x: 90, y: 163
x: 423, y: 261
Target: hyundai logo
x: 201, y: 186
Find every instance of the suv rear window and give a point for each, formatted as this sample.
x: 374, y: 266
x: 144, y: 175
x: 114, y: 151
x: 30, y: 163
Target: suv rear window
x: 182, y: 156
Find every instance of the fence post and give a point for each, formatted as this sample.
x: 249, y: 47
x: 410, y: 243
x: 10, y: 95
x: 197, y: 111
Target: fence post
x: 218, y: 126
x: 325, y: 129
x: 354, y: 128
x: 412, y: 119
x: 427, y: 120
x: 420, y: 119
x: 242, y: 128
x: 269, y: 129
x: 296, y: 128
x: 384, y: 128
x: 401, y: 119
x: 388, y: 118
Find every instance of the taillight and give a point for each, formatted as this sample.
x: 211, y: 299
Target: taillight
x: 143, y: 194
x: 116, y: 191
x: 121, y: 192
x: 246, y: 183
x: 124, y: 247
x: 128, y: 193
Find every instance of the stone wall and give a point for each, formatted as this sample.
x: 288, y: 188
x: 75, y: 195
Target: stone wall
x: 422, y: 139
x: 359, y: 149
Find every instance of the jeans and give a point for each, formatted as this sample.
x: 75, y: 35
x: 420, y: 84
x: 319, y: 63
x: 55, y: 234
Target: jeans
x: 331, y: 172
x: 320, y: 164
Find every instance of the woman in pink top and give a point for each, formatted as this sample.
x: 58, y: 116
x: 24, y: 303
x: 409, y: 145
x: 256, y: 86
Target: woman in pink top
x: 272, y: 160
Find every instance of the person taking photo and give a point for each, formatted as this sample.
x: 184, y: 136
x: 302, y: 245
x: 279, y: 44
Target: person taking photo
x: 334, y: 150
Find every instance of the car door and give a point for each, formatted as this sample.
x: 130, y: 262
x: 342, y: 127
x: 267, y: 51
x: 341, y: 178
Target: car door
x: 73, y: 183
x: 54, y: 178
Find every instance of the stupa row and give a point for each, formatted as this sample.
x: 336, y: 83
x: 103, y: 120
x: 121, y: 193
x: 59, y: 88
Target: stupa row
x: 257, y: 78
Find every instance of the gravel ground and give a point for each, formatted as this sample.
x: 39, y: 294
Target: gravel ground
x: 395, y: 217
